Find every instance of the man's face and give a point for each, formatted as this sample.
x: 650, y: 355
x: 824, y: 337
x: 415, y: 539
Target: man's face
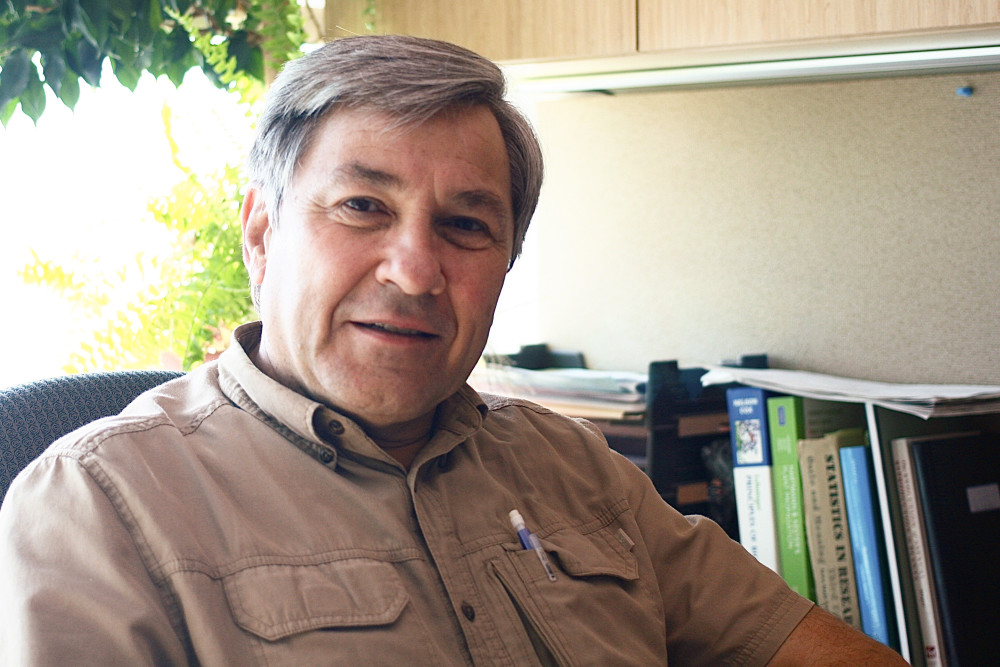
x: 379, y: 282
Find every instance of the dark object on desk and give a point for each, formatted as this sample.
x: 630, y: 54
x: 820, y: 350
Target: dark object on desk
x: 34, y: 415
x: 682, y: 419
x: 541, y: 356
x: 688, y: 440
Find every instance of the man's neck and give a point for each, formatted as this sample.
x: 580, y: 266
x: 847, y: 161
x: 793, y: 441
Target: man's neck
x: 403, y: 441
x: 403, y: 451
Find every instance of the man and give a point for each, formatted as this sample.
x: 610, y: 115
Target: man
x: 330, y: 491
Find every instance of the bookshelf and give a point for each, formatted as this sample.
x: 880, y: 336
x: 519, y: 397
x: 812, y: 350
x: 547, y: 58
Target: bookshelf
x: 884, y: 426
x: 891, y: 411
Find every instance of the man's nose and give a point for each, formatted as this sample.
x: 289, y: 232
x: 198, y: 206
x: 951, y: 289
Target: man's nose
x: 410, y: 259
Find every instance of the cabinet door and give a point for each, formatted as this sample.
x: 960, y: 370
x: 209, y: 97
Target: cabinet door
x: 501, y: 29
x: 685, y: 24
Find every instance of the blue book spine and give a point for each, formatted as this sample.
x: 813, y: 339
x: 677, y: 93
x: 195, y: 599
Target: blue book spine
x: 748, y: 426
x: 855, y: 464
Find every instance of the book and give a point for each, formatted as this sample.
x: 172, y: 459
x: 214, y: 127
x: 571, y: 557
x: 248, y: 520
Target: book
x: 958, y: 480
x: 867, y: 549
x: 911, y: 512
x: 790, y: 419
x: 752, y: 486
x: 827, y: 531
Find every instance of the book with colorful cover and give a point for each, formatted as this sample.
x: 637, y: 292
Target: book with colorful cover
x: 868, y: 550
x: 827, y: 531
x: 752, y: 473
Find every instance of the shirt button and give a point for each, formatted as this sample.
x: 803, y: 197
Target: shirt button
x: 334, y: 427
x: 468, y: 611
x: 325, y: 455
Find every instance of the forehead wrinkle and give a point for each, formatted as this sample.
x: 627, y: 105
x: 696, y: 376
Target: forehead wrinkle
x: 355, y: 171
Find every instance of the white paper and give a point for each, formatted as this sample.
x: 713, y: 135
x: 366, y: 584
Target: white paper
x: 922, y: 400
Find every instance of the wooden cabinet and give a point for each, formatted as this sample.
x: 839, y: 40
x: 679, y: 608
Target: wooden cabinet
x: 547, y: 30
x: 509, y: 30
x: 693, y: 24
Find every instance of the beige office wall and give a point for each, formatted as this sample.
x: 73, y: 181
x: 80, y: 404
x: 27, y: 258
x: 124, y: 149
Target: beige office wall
x: 842, y: 227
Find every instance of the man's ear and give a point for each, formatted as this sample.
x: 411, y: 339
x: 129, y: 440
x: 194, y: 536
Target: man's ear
x: 256, y: 233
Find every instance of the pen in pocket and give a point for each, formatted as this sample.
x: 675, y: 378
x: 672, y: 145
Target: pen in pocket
x: 530, y: 542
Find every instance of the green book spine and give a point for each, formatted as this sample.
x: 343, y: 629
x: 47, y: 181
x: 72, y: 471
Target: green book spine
x: 785, y: 420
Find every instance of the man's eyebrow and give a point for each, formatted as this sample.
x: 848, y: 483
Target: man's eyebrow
x: 474, y: 199
x: 486, y: 200
x: 359, y: 172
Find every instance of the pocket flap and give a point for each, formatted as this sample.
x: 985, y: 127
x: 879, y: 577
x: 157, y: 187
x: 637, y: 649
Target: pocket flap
x: 592, y: 555
x: 275, y: 601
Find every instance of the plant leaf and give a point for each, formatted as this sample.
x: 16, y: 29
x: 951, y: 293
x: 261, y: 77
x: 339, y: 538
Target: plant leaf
x: 89, y: 60
x: 94, y: 23
x: 69, y: 92
x: 14, y: 76
x: 54, y: 69
x: 127, y: 75
x: 155, y: 14
x: 7, y: 112
x: 33, y: 97
x: 38, y: 32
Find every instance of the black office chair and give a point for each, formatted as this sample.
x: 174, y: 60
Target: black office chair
x: 34, y: 415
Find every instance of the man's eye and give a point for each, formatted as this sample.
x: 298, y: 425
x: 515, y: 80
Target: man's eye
x: 468, y: 225
x: 467, y: 233
x: 362, y: 205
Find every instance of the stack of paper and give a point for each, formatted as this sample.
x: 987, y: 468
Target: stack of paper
x: 922, y: 400
x: 577, y: 392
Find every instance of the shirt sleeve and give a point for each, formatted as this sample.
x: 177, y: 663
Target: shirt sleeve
x: 74, y: 587
x: 721, y: 605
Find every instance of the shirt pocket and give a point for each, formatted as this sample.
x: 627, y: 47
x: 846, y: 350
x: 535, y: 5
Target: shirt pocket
x: 304, y: 614
x: 598, y: 611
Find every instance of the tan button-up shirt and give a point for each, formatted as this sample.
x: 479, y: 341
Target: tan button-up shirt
x: 223, y: 519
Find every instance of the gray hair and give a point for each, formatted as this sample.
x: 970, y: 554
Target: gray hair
x: 409, y: 78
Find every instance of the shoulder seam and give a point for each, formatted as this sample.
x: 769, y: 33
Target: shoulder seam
x: 123, y: 425
x: 494, y: 402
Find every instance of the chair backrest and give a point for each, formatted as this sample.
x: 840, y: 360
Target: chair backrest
x: 34, y: 415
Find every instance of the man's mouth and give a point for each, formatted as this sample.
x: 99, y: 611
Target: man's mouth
x: 401, y: 331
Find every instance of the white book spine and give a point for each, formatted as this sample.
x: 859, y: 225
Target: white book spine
x: 755, y: 513
x: 916, y: 547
